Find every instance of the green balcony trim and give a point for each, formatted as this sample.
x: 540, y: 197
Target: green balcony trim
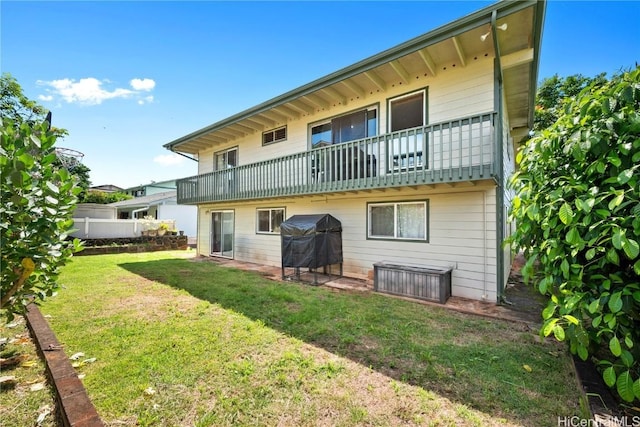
x: 454, y: 151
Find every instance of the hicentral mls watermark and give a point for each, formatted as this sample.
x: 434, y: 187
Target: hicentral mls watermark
x: 599, y: 421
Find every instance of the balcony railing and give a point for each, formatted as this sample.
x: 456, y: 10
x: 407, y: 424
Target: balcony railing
x: 458, y: 150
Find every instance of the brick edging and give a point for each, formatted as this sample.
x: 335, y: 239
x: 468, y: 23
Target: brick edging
x: 74, y: 406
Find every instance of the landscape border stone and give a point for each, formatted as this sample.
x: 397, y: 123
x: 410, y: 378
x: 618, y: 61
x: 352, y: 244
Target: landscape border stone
x: 133, y: 245
x: 75, y: 409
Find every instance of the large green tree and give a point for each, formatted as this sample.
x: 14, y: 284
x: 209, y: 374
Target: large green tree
x: 555, y: 92
x: 15, y: 105
x: 37, y: 202
x: 102, y: 197
x: 577, y: 207
x: 37, y: 198
x: 81, y: 173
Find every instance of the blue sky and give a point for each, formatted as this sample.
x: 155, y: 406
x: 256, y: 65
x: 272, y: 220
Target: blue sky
x: 124, y: 78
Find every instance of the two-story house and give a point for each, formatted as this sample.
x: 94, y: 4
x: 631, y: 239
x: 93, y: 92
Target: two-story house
x: 409, y: 149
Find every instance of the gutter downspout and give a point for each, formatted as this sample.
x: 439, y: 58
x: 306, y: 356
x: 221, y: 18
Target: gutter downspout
x: 484, y: 239
x: 184, y: 155
x: 198, y: 227
x: 498, y: 105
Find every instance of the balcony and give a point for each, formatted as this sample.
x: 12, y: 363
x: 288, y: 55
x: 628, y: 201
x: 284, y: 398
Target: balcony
x: 454, y: 151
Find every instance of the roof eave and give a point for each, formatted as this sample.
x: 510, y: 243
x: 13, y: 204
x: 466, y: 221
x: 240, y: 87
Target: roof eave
x: 537, y: 43
x: 482, y: 16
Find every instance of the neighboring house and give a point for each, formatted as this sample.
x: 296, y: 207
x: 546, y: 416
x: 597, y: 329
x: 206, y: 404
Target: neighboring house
x: 121, y: 219
x: 139, y: 207
x: 159, y: 206
x: 151, y: 188
x: 409, y: 149
x: 108, y: 188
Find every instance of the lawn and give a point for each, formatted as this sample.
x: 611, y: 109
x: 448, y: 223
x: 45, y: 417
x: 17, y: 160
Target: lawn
x: 182, y: 341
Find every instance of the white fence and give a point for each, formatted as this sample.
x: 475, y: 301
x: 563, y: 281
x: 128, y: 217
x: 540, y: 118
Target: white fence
x: 94, y: 228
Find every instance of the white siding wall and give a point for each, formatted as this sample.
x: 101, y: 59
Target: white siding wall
x: 183, y: 215
x: 453, y: 93
x: 205, y: 161
x: 461, y: 234
x: 462, y: 222
x: 462, y: 92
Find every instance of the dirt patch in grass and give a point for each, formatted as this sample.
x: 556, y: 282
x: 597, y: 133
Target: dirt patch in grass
x: 28, y: 395
x: 147, y: 300
x: 293, y: 307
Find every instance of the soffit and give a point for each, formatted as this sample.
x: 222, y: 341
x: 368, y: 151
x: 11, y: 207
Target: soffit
x: 517, y: 45
x: 458, y: 47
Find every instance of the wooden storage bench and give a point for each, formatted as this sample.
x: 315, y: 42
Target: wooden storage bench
x: 427, y: 283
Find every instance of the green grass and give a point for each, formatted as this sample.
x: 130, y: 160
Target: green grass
x: 218, y: 346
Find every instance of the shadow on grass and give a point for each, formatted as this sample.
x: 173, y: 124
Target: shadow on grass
x: 470, y: 360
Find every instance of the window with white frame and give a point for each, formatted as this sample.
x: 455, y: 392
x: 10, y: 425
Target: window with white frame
x: 225, y: 159
x: 348, y: 127
x: 274, y: 135
x: 406, y: 150
x: 269, y: 220
x: 398, y: 220
x: 408, y: 111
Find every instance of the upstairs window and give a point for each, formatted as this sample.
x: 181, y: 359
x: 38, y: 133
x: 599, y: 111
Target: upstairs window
x: 406, y: 152
x: 349, y: 127
x: 226, y: 159
x: 408, y: 111
x: 274, y: 135
x: 269, y: 220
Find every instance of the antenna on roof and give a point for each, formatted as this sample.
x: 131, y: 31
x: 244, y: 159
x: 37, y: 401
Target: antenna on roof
x: 69, y: 158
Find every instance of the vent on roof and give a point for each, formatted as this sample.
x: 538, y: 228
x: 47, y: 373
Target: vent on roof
x: 274, y: 135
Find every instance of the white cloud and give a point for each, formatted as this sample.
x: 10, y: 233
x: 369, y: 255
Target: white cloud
x: 85, y: 91
x: 169, y: 159
x: 143, y: 84
x: 91, y: 91
x: 146, y: 100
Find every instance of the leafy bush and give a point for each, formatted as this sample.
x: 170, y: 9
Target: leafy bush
x: 35, y: 214
x: 554, y: 91
x: 578, y: 213
x: 102, y: 197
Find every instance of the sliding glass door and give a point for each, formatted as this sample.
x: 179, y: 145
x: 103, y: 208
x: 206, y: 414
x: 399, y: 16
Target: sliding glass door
x: 349, y: 127
x: 222, y: 233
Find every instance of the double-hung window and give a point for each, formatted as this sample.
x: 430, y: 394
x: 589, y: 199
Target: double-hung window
x: 406, y: 150
x: 398, y: 220
x: 269, y: 220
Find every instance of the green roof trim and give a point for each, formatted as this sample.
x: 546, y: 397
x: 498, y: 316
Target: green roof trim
x: 459, y: 26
